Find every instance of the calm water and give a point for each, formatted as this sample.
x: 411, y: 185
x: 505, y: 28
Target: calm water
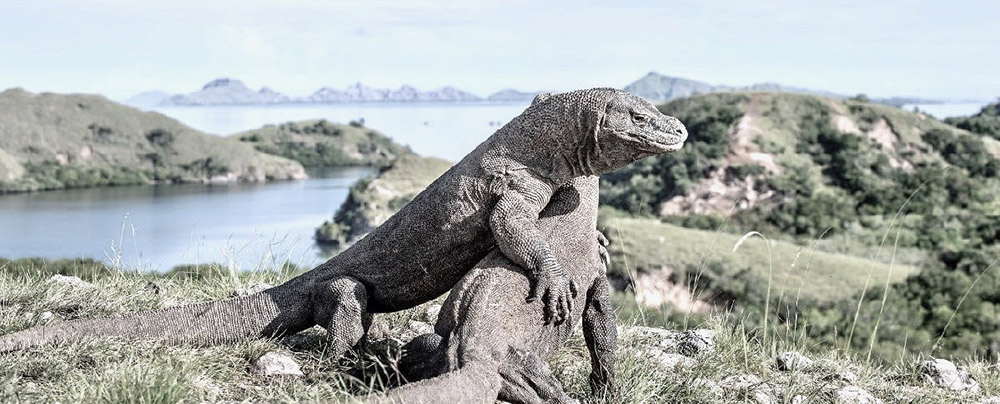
x: 157, y: 227
x: 942, y: 111
x: 448, y: 130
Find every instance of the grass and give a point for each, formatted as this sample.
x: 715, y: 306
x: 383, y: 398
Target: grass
x: 644, y: 245
x: 111, y: 371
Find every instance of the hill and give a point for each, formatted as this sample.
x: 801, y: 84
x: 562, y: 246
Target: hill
x: 372, y: 200
x: 319, y: 143
x: 55, y: 141
x: 985, y: 122
x: 227, y: 92
x: 871, y: 180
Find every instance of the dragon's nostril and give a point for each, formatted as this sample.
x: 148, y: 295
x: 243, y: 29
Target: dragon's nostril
x: 681, y: 132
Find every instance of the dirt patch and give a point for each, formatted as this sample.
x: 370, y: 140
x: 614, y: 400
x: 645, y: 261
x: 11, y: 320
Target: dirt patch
x: 86, y: 152
x: 655, y: 289
x: 718, y: 194
x: 845, y: 124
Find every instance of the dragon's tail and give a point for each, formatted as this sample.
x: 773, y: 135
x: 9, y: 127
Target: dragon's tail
x: 269, y: 313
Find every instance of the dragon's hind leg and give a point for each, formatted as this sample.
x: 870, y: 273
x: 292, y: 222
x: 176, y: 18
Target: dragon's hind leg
x: 527, y: 379
x: 340, y: 306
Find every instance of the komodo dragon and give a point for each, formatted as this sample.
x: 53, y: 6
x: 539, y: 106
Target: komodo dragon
x: 491, y: 198
x: 489, y: 343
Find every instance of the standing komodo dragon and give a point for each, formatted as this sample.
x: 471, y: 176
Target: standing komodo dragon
x: 489, y: 343
x: 491, y: 198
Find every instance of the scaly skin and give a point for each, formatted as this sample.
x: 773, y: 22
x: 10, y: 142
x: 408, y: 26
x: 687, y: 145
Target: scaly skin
x: 491, y: 198
x: 489, y: 343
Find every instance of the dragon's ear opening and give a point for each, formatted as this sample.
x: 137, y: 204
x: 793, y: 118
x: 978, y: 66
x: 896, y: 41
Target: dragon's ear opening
x: 540, y: 97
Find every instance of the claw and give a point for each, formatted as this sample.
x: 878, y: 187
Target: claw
x: 602, y: 239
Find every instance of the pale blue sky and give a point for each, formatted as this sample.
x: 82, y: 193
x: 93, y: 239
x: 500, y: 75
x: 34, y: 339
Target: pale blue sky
x: 121, y: 47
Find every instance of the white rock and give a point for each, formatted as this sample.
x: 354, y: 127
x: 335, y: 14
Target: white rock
x: 419, y: 327
x: 945, y: 374
x: 276, y: 364
x: 432, y: 312
x: 46, y: 316
x: 73, y: 281
x: 991, y: 400
x: 670, y: 361
x: 252, y: 289
x: 855, y: 395
x: 800, y: 399
x: 792, y: 361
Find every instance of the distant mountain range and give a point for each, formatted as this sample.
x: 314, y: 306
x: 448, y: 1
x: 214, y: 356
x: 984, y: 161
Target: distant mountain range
x: 658, y: 87
x: 225, y: 91
x: 653, y: 86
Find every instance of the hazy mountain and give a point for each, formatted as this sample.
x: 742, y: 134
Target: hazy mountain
x: 148, y: 98
x: 226, y: 91
x: 511, y: 95
x: 658, y: 87
x: 653, y: 86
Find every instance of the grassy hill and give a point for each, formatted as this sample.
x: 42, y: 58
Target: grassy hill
x: 985, y: 122
x: 55, y: 141
x: 319, y: 143
x: 372, y: 200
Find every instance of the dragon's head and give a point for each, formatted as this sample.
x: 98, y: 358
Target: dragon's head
x: 629, y: 128
x: 614, y: 128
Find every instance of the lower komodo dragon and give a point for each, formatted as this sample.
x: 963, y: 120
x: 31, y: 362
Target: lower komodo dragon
x: 489, y: 343
x: 490, y: 199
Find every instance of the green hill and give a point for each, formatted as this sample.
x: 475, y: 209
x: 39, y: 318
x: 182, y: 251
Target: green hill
x: 372, y: 200
x: 55, y: 141
x: 985, y: 122
x: 319, y: 143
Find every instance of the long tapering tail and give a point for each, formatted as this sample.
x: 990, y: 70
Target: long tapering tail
x: 270, y: 313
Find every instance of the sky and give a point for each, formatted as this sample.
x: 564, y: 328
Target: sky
x: 121, y: 47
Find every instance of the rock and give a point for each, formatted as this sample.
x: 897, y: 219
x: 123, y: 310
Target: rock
x: 152, y: 287
x: 73, y: 281
x: 687, y: 343
x: 694, y: 342
x: 800, y: 399
x: 431, y: 313
x: 792, y: 361
x: 741, y: 382
x: 991, y: 400
x: 855, y: 395
x: 744, y: 385
x: 670, y: 361
x: 46, y: 316
x: 709, y: 386
x: 252, y: 289
x: 944, y: 373
x: 419, y: 327
x: 276, y: 364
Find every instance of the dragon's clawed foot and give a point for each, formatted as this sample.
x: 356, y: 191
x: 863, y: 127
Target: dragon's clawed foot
x: 557, y: 292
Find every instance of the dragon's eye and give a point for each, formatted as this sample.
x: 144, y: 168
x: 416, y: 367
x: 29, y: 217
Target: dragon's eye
x: 639, y: 118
